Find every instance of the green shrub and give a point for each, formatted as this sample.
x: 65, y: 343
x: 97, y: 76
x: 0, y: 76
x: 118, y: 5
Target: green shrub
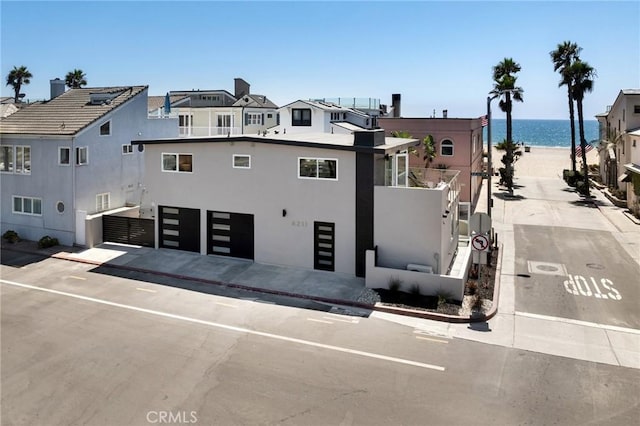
x: 415, y: 290
x: 11, y: 236
x: 47, y: 241
x: 394, y: 284
x: 476, y: 302
x: 443, y: 296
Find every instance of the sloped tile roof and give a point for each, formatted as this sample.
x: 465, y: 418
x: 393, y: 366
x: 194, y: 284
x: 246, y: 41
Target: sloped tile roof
x: 68, y: 113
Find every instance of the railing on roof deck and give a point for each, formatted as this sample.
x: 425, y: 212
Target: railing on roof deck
x: 357, y: 103
x: 426, y: 178
x: 190, y: 131
x: 160, y: 114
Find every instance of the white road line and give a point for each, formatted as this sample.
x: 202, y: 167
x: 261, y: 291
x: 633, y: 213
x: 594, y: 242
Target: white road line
x: 578, y: 322
x: 232, y: 328
x: 76, y: 278
x: 317, y: 320
x: 431, y: 340
x: 228, y: 305
x: 349, y: 321
x: 146, y: 289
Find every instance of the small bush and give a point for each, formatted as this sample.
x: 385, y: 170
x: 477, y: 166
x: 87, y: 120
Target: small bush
x: 47, y: 241
x: 415, y: 290
x: 443, y: 296
x: 472, y: 287
x: 394, y: 284
x: 476, y: 302
x: 11, y: 236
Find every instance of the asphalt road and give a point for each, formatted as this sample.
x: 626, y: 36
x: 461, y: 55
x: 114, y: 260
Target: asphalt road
x: 578, y: 274
x: 80, y: 347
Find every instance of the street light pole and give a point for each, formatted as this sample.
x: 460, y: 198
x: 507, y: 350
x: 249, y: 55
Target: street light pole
x: 489, y: 149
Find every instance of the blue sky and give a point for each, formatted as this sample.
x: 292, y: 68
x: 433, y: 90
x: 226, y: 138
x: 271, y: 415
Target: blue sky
x: 438, y: 55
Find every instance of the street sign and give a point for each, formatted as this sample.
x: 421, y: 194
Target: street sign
x: 480, y: 242
x: 480, y: 223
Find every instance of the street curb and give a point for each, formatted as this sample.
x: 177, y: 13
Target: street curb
x: 377, y: 307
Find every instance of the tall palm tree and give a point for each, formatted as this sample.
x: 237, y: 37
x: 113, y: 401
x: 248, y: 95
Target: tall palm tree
x: 505, y: 87
x: 75, y: 79
x: 16, y: 78
x: 582, y: 76
x: 563, y: 57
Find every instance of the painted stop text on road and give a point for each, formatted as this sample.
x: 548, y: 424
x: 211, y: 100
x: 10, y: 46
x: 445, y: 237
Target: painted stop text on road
x: 591, y: 287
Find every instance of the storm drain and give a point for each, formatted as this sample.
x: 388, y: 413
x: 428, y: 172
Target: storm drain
x: 546, y: 268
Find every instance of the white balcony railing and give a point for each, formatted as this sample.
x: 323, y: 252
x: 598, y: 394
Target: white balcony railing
x: 190, y: 132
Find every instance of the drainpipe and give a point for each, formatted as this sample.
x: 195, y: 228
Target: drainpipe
x: 72, y: 159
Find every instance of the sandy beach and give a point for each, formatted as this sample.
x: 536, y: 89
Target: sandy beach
x: 544, y: 161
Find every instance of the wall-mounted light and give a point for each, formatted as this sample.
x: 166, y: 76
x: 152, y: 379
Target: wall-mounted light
x: 284, y: 212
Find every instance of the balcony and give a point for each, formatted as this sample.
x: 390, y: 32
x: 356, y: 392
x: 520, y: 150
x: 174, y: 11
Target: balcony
x: 355, y: 103
x: 194, y: 132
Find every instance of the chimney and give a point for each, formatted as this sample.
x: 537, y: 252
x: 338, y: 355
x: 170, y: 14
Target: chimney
x: 395, y: 104
x: 444, y: 113
x: 241, y: 88
x: 57, y: 87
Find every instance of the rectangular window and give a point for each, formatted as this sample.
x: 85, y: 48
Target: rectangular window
x: 6, y: 159
x: 269, y: 115
x: 177, y: 162
x: 241, y: 161
x: 82, y: 155
x: 64, y: 155
x: 318, y: 168
x: 636, y: 109
x: 301, y: 117
x: 335, y: 116
x: 23, y: 159
x: 127, y: 149
x: 102, y: 202
x: 105, y: 129
x: 27, y: 205
x: 253, y: 119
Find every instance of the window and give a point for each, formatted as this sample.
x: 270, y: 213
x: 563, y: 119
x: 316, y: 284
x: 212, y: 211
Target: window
x: 318, y: 168
x: 335, y: 116
x: 269, y: 115
x: 636, y: 109
x: 127, y: 149
x: 23, y: 159
x: 102, y: 202
x: 105, y: 129
x: 27, y: 205
x: 64, y: 155
x: 6, y: 159
x: 82, y: 155
x: 446, y: 148
x: 301, y: 117
x: 241, y: 161
x: 253, y: 118
x: 177, y: 163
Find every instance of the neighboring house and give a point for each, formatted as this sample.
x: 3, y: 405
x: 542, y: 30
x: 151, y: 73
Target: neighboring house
x: 459, y: 146
x: 315, y: 201
x: 65, y: 160
x: 7, y: 106
x: 326, y: 116
x: 218, y: 112
x: 618, y: 149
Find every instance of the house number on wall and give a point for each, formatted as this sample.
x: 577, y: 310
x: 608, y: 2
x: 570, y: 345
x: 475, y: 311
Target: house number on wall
x: 580, y: 286
x: 299, y: 223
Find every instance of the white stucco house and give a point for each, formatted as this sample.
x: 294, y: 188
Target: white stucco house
x: 69, y: 159
x: 346, y: 203
x: 323, y: 116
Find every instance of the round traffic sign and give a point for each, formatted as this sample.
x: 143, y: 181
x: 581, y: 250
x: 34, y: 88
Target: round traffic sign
x: 480, y: 242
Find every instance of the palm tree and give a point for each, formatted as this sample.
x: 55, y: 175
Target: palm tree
x: 16, y: 78
x: 563, y: 57
x: 505, y: 86
x: 75, y: 79
x: 429, y: 147
x: 582, y: 82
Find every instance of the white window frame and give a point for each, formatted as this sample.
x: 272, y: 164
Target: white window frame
x: 22, y: 204
x: 317, y: 160
x: 21, y: 169
x: 452, y: 146
x: 60, y: 149
x: 177, y: 157
x: 254, y: 119
x: 233, y: 163
x: 79, y: 150
x: 127, y: 149
x: 103, y: 202
x: 108, y: 123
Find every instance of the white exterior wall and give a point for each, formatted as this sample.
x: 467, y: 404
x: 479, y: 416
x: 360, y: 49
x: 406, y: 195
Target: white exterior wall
x: 319, y: 119
x: 409, y: 228
x: 271, y: 185
x: 253, y: 129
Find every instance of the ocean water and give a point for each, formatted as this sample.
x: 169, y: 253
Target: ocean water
x: 553, y: 133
